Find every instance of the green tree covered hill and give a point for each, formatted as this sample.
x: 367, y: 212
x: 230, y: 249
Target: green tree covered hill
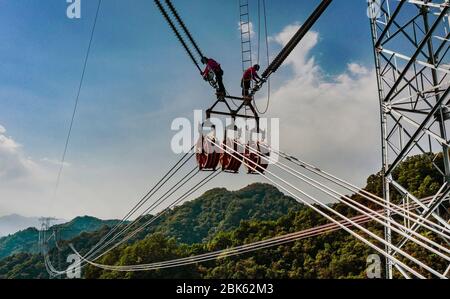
x: 221, y: 219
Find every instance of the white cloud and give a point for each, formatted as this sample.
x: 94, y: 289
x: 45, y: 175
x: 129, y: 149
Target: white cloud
x: 331, y: 123
x: 299, y: 60
x: 246, y: 27
x: 14, y: 165
x: 24, y: 183
x: 357, y: 69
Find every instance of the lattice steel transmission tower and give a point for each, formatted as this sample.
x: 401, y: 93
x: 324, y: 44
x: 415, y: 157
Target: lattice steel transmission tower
x: 44, y: 239
x: 43, y: 230
x: 411, y: 46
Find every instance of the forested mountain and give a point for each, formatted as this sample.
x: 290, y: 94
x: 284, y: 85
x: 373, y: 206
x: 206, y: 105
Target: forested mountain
x: 26, y: 241
x: 334, y: 255
x: 221, y: 219
x: 221, y: 210
x: 23, y: 266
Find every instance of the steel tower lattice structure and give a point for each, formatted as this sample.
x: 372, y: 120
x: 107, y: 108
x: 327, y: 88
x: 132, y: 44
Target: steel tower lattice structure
x: 43, y: 229
x: 411, y: 42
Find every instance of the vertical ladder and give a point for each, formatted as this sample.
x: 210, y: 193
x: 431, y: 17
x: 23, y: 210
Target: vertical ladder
x: 246, y: 42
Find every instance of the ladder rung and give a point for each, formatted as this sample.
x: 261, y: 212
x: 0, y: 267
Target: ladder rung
x: 245, y: 35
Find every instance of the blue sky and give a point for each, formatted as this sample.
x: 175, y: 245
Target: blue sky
x: 43, y: 53
x: 138, y: 78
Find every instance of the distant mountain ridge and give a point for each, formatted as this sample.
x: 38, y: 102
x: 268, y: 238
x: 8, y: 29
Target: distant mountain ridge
x: 26, y: 241
x: 10, y: 224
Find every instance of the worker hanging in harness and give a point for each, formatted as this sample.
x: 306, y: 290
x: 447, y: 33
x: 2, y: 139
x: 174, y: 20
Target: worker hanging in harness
x: 249, y: 75
x: 212, y: 67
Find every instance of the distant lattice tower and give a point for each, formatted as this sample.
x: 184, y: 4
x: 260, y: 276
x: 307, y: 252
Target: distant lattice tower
x: 43, y: 230
x: 411, y: 46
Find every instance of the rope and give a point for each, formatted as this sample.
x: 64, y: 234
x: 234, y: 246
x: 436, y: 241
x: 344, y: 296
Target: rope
x: 267, y: 54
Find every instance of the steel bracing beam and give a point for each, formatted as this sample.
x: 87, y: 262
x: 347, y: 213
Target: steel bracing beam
x: 422, y: 44
x: 411, y: 48
x: 389, y: 24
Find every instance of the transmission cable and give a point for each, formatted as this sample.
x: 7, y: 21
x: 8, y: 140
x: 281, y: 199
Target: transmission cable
x: 129, y: 236
x: 146, y: 197
x: 358, y: 207
x: 325, y: 215
x: 367, y: 195
x: 77, y: 98
x: 175, y: 188
x: 333, y: 220
x: 191, y: 191
x: 238, y: 250
x: 326, y: 207
x: 159, y: 185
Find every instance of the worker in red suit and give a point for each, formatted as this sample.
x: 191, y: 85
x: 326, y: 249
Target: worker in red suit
x: 213, y: 67
x: 249, y: 75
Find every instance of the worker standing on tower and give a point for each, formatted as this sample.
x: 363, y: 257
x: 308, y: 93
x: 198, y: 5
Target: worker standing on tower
x: 249, y: 75
x: 213, y: 67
